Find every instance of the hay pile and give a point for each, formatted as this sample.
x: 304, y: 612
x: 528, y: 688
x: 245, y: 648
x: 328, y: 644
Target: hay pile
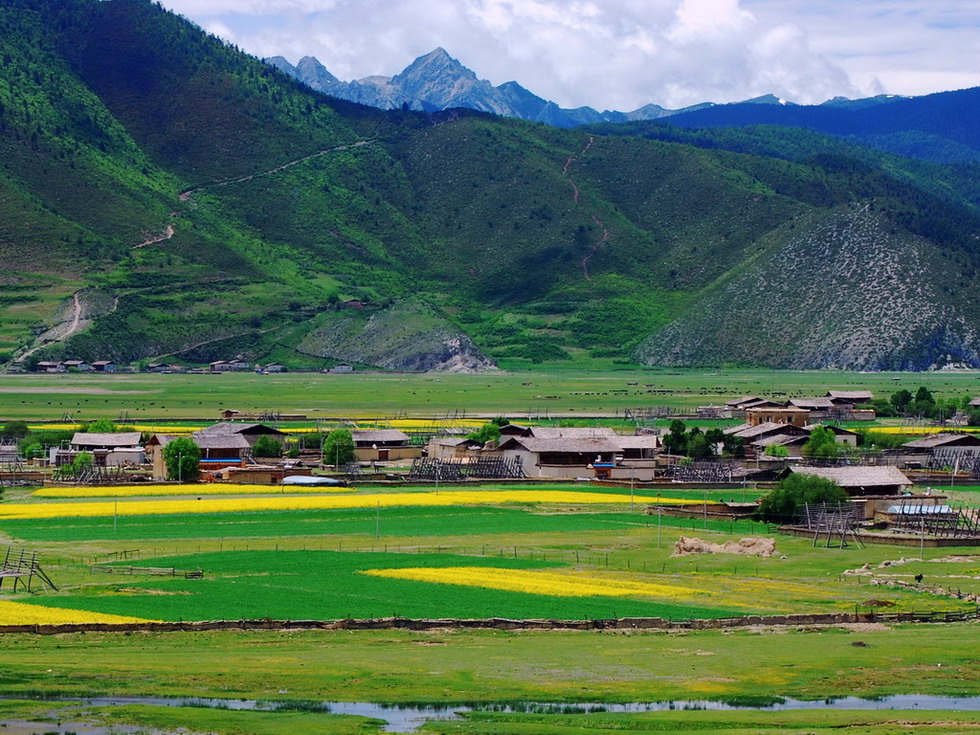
x: 764, y: 547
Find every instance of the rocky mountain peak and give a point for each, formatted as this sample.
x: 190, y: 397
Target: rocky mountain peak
x: 435, y: 65
x: 310, y: 66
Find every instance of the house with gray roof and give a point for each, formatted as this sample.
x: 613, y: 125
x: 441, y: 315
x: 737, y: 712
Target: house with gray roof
x: 383, y: 445
x: 603, y: 457
x: 861, y: 480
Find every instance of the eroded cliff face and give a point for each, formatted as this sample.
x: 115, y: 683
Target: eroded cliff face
x: 408, y: 336
x: 852, y: 292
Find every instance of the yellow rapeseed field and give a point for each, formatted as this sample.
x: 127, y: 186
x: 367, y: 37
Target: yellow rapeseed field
x: 535, y: 582
x: 919, y: 429
x: 319, y: 502
x: 129, y: 491
x: 19, y: 613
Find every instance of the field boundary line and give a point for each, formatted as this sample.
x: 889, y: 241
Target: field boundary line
x: 395, y: 623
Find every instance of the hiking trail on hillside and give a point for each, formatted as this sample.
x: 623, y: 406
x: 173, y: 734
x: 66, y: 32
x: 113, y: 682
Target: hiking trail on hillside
x: 604, y: 237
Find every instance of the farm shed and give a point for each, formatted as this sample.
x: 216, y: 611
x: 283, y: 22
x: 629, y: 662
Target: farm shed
x: 383, y: 445
x: 862, y: 480
x: 850, y: 397
x: 250, y: 432
x: 969, y: 442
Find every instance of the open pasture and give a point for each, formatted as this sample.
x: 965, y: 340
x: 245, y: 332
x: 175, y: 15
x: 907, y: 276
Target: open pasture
x: 146, y: 398
x: 458, y: 666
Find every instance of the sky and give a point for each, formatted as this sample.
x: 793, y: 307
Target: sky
x: 623, y: 54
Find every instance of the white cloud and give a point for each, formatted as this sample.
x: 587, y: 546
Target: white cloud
x: 620, y: 54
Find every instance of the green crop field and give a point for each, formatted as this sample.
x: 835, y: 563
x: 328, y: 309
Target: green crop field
x: 312, y: 564
x: 540, y: 560
x: 151, y: 397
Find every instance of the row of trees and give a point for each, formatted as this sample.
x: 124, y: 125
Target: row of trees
x: 924, y: 403
x: 698, y: 444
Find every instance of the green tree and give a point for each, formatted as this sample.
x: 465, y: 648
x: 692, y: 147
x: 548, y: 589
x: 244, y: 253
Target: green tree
x: 924, y: 404
x: 266, y: 446
x: 489, y: 432
x: 338, y: 447
x: 698, y: 446
x: 82, y: 462
x: 734, y: 446
x: 822, y: 444
x: 676, y: 439
x: 788, y: 497
x: 15, y: 429
x: 882, y: 408
x: 900, y: 401
x: 183, y: 459
x: 32, y: 450
x: 775, y: 450
x: 102, y: 426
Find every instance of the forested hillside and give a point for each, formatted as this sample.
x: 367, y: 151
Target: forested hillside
x: 165, y: 197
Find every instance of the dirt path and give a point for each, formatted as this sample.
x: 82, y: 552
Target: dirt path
x: 59, y: 332
x: 210, y: 341
x: 575, y: 198
x: 186, y: 195
x: 167, y: 234
x: 595, y: 248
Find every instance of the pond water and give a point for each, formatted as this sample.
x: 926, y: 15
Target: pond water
x: 407, y: 718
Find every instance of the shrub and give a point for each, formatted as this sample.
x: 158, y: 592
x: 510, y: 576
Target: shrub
x: 102, y: 426
x: 782, y: 504
x: 775, y: 450
x: 82, y: 462
x: 266, y: 446
x: 822, y: 444
x: 486, y: 433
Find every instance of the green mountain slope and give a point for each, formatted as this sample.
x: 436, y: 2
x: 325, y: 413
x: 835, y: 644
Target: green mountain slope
x: 163, y: 196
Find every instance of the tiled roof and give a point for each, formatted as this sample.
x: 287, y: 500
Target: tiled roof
x: 116, y: 439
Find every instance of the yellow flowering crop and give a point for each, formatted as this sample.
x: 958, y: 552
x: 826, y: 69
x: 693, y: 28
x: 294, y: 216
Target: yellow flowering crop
x: 918, y: 429
x: 319, y: 502
x: 534, y: 582
x: 434, y: 423
x: 20, y: 613
x: 125, y: 491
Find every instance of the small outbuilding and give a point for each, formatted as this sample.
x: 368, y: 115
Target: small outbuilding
x: 862, y: 480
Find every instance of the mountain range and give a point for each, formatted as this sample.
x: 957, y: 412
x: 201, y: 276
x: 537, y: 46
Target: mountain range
x: 165, y: 197
x: 437, y: 81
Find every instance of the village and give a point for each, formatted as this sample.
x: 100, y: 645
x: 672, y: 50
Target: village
x: 235, y: 365
x: 895, y: 493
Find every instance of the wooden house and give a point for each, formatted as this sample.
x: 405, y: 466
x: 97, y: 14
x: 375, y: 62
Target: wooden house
x: 47, y: 366
x: 383, y: 445
x: 104, y: 366
x: 108, y: 450
x: 250, y: 432
x: 757, y: 415
x: 604, y: 457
